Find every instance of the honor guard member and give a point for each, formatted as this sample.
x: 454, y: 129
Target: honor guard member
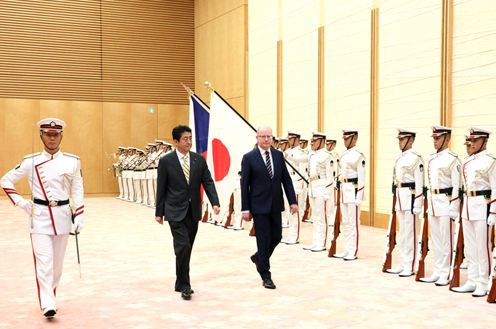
x: 352, y: 184
x: 443, y: 171
x: 408, y: 178
x: 331, y: 192
x: 121, y: 152
x: 299, y: 160
x: 304, y: 193
x: 152, y: 184
x: 137, y: 175
x: 318, y: 167
x: 237, y: 222
x: 286, y: 215
x: 54, y: 177
x: 128, y: 173
x: 148, y: 182
x: 479, y: 211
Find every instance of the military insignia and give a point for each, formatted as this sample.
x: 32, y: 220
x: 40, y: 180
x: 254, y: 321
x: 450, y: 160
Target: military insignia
x: 458, y: 168
x: 363, y: 163
x: 332, y: 162
x: 52, y: 124
x: 421, y: 167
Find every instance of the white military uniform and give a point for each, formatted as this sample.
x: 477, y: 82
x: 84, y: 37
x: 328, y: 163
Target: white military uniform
x: 299, y: 160
x: 352, y: 180
x: 331, y: 192
x: 318, y: 168
x: 443, y: 171
x: 409, y: 181
x: 149, y: 177
x: 479, y: 204
x: 127, y: 174
x: 118, y: 172
x: 52, y: 178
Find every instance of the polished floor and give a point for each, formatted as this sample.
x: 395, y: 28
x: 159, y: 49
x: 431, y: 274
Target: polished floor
x: 128, y: 279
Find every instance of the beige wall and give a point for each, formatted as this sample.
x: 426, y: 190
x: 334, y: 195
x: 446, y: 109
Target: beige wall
x: 409, y: 72
x: 221, y: 47
x: 94, y: 131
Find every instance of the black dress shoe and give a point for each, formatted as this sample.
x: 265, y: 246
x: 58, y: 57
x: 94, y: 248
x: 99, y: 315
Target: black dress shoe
x: 50, y: 314
x: 186, y: 294
x: 179, y: 290
x: 254, y: 259
x: 269, y: 284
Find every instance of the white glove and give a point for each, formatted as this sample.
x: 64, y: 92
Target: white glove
x: 77, y: 226
x: 491, y: 220
x: 453, y: 213
x: 417, y: 211
x: 358, y: 203
x: 27, y: 205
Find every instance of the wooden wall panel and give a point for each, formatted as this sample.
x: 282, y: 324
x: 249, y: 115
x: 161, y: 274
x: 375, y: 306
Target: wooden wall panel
x: 220, y: 55
x: 208, y: 10
x: 170, y: 116
x: 116, y: 125
x: 86, y: 139
x: 21, y: 136
x: 143, y: 124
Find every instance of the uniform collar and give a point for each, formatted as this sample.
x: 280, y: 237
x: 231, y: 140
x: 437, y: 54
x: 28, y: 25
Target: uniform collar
x: 50, y: 156
x: 407, y: 151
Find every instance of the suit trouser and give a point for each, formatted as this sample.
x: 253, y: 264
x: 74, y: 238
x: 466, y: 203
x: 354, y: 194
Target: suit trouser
x: 268, y: 231
x: 441, y: 236
x: 48, y: 253
x: 477, y: 235
x: 350, y: 216
x: 183, y: 233
x: 408, y: 239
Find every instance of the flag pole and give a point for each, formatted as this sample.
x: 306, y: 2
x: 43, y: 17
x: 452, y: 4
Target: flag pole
x: 209, y: 87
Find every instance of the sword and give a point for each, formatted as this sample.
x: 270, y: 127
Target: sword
x: 77, y: 247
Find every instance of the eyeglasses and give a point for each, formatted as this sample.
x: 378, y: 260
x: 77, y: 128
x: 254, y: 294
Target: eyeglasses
x: 265, y: 137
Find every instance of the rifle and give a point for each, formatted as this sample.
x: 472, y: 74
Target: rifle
x: 231, y: 210
x: 307, y: 209
x: 337, y: 222
x: 391, y: 242
x: 491, y: 296
x: 252, y: 231
x: 424, y: 242
x: 457, y: 260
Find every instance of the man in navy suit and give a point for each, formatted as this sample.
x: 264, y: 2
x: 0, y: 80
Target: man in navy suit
x: 180, y: 175
x: 263, y: 170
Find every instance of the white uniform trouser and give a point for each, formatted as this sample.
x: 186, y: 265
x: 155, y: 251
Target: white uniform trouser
x: 477, y: 235
x: 408, y: 239
x: 286, y: 214
x: 236, y: 217
x: 144, y: 188
x: 350, y: 221
x: 121, y: 191
x: 151, y: 192
x: 319, y: 222
x: 302, y: 201
x: 441, y: 236
x: 131, y: 195
x: 138, y: 193
x: 48, y: 251
x: 294, y: 224
x: 331, y: 206
x: 125, y: 186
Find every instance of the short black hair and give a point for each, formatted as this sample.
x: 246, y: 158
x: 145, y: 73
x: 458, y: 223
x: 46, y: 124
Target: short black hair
x: 178, y: 131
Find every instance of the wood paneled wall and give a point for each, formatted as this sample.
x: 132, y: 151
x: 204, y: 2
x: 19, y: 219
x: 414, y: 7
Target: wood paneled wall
x: 221, y: 45
x: 94, y: 131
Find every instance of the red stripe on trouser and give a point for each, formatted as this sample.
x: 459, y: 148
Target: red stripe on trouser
x: 488, y: 241
x: 35, y: 271
x: 325, y: 220
x: 298, y: 218
x: 356, y: 225
x: 451, y: 240
x: 414, y: 241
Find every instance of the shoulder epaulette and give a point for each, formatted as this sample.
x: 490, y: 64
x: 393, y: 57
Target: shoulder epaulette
x: 31, y: 155
x: 71, y: 155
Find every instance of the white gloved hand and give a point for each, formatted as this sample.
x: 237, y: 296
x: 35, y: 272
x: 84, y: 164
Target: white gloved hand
x: 491, y: 220
x: 453, y: 213
x: 416, y: 210
x: 77, y: 226
x: 27, y: 205
x: 358, y: 203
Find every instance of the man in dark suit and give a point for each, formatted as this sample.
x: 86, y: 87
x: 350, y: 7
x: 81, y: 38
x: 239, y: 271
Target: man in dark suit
x: 263, y: 170
x: 180, y: 175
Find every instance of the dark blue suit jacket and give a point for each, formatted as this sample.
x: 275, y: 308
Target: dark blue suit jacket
x: 259, y: 193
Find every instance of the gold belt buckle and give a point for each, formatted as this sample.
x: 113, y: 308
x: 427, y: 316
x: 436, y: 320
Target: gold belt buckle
x: 471, y: 193
x: 435, y: 191
x: 53, y: 203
